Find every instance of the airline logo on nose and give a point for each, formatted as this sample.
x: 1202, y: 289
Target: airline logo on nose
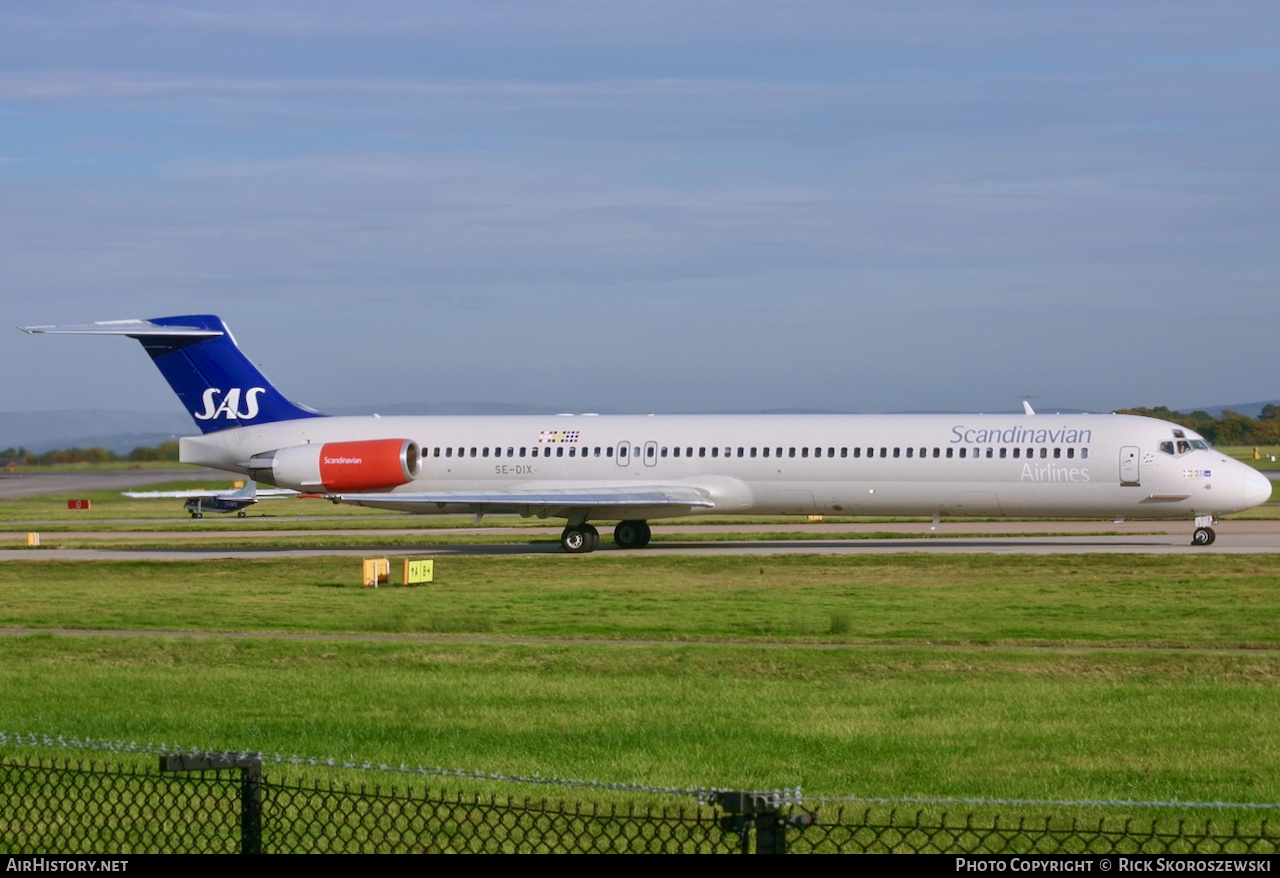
x: 229, y: 407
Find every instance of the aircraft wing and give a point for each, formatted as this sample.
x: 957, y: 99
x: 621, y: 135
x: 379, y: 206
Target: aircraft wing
x: 601, y: 502
x: 216, y: 495
x: 249, y: 492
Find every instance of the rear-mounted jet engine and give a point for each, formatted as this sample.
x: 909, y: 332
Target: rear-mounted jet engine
x: 370, y: 465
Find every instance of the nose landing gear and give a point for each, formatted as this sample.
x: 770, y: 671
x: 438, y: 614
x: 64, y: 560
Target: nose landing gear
x: 1204, y: 535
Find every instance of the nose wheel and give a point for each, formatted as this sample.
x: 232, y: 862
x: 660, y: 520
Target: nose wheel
x: 1204, y: 536
x: 580, y: 539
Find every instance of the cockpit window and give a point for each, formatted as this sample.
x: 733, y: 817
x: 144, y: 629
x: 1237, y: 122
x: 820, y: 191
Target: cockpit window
x: 1183, y: 445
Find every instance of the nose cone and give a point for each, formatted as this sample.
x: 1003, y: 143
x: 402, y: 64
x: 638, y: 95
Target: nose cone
x: 1257, y: 489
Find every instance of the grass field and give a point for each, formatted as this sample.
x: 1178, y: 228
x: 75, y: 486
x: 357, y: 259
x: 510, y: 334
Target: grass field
x: 981, y: 676
x: 887, y: 722
x: 1210, y: 601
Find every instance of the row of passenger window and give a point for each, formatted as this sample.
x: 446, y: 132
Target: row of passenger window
x: 742, y: 451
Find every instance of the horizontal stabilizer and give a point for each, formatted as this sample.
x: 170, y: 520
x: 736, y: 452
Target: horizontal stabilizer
x: 129, y: 328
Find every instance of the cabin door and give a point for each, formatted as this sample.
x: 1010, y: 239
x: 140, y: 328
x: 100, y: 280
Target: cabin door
x: 1129, y: 472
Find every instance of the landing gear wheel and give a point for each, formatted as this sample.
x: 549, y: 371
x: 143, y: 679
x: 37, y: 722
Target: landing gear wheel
x: 1204, y: 536
x: 580, y: 539
x: 197, y: 515
x: 239, y: 515
x: 631, y: 534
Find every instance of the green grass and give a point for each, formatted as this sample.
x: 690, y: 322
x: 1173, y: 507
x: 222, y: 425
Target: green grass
x: 905, y: 675
x: 899, y: 721
x: 1244, y: 454
x: 1209, y: 601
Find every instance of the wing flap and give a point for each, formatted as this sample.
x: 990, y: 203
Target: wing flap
x: 540, y: 502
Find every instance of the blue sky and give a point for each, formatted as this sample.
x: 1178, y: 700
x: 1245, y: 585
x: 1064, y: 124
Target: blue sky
x: 651, y: 206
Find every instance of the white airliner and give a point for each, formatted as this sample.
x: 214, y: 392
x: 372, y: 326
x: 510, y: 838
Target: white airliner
x: 631, y: 468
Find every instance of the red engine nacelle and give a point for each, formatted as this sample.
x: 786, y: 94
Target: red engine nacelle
x: 367, y: 465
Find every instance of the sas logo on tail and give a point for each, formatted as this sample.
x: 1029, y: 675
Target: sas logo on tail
x: 230, y: 405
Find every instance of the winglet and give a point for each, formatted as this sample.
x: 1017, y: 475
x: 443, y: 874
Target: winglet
x: 1026, y: 409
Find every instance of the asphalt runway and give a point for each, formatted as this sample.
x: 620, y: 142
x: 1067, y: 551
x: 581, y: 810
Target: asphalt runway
x: 1242, y: 537
x: 16, y: 485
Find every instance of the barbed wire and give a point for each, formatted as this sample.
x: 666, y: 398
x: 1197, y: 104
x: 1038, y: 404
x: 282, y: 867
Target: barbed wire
x: 1063, y: 803
x: 704, y: 795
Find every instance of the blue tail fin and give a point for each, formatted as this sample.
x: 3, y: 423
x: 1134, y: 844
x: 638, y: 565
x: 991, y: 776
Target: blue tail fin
x: 199, y: 358
x: 214, y: 380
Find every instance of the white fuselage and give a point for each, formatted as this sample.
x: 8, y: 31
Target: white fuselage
x: 1041, y: 465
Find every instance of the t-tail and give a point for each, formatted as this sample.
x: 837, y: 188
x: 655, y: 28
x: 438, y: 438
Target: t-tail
x: 199, y: 358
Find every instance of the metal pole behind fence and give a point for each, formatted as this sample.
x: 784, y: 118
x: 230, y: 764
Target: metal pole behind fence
x: 747, y: 811
x: 251, y: 808
x: 250, y: 765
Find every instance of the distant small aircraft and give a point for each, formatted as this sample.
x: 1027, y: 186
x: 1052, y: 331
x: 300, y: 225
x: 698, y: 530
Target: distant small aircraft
x: 200, y: 502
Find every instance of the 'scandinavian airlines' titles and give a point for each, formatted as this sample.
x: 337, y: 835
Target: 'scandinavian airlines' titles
x: 1010, y: 435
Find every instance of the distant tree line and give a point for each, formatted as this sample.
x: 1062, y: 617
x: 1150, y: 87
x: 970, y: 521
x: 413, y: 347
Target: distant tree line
x: 1232, y: 428
x: 165, y: 451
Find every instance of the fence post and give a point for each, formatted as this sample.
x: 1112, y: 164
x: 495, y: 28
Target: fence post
x: 758, y: 811
x: 251, y: 807
x: 250, y: 765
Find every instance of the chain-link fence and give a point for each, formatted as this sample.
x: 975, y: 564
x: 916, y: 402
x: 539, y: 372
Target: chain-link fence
x: 86, y: 808
x: 894, y: 832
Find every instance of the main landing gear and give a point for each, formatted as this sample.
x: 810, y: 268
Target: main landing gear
x: 578, y: 539
x: 1204, y: 535
x: 631, y: 534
